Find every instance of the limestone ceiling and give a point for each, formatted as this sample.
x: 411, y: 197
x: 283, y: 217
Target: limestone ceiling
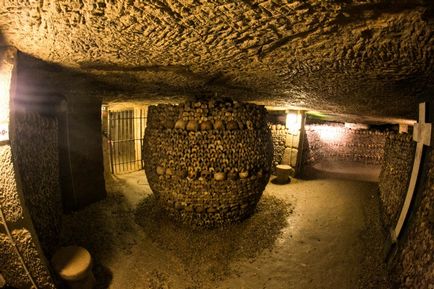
x: 372, y: 57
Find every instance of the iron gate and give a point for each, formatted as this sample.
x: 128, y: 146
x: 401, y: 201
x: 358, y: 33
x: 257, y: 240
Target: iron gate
x: 125, y: 133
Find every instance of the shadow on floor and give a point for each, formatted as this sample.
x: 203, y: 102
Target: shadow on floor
x: 208, y: 253
x: 345, y: 170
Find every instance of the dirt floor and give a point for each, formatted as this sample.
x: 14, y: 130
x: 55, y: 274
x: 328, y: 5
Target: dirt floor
x: 306, y: 234
x: 345, y: 170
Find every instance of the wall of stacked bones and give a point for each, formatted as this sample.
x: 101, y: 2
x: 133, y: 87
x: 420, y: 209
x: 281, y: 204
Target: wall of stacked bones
x: 30, y: 201
x: 208, y: 161
x: 413, y: 266
x: 334, y: 142
x: 395, y: 175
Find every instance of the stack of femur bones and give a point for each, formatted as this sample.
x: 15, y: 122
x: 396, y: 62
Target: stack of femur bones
x: 208, y: 161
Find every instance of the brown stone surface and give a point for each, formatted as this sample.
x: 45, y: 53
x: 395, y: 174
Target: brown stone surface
x: 279, y: 135
x: 32, y: 258
x: 342, y: 56
x: 414, y: 265
x: 286, y: 159
x: 11, y: 266
x: 36, y: 148
x: 9, y: 200
x: 294, y: 155
x: 395, y: 175
x: 289, y: 140
x: 296, y: 140
x: 211, y: 177
x: 72, y: 263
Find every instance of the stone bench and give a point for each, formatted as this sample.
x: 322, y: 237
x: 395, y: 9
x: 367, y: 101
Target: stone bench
x: 74, y: 265
x: 282, y: 174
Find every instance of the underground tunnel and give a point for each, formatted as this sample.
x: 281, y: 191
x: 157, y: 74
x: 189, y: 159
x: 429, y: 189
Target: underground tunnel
x: 216, y: 144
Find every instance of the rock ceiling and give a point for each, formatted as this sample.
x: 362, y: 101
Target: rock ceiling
x: 372, y: 57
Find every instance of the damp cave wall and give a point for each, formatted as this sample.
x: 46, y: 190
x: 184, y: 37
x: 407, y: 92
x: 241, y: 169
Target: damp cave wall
x: 22, y: 260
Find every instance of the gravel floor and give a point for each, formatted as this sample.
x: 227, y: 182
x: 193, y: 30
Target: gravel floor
x: 306, y: 234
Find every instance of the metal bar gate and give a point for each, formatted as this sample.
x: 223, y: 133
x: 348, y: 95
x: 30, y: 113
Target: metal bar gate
x: 125, y: 133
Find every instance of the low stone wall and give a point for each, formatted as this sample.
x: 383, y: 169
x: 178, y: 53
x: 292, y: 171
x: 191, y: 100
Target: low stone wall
x: 414, y: 264
x: 332, y: 142
x: 208, y: 162
x: 395, y: 175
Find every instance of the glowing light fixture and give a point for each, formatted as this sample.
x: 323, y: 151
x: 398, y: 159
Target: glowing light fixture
x: 5, y: 86
x: 293, y: 122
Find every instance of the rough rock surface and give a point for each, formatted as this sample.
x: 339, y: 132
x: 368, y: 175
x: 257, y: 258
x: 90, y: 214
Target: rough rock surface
x: 39, y: 169
x: 395, y: 175
x: 414, y: 265
x: 278, y: 134
x: 9, y: 200
x: 12, y: 268
x: 32, y: 258
x: 285, y: 146
x: 348, y: 56
x: 11, y: 207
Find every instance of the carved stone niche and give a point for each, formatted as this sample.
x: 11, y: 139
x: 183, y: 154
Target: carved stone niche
x: 208, y: 161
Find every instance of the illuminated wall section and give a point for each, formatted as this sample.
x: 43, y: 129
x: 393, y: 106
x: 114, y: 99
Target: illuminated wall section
x: 285, y: 128
x: 22, y: 263
x: 5, y: 84
x: 331, y: 142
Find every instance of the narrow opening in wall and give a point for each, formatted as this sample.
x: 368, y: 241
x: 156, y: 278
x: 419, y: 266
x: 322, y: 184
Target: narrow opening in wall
x: 123, y: 127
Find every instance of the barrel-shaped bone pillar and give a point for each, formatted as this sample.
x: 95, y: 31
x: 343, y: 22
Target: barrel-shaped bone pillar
x: 208, y: 161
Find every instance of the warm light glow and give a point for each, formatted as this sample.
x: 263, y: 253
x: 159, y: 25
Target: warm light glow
x: 5, y: 84
x: 330, y: 133
x: 293, y: 122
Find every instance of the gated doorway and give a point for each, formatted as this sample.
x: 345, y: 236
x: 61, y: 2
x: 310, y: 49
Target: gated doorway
x: 125, y: 129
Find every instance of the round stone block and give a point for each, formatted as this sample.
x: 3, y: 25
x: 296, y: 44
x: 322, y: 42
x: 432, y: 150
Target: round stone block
x: 74, y: 264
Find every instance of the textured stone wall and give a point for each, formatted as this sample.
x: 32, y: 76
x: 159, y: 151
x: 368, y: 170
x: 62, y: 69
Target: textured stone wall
x: 208, y: 161
x: 42, y: 86
x: 11, y: 206
x: 85, y: 153
x: 395, y: 175
x: 414, y: 264
x: 36, y: 146
x: 334, y: 55
x: 11, y: 266
x: 21, y: 262
x: 332, y: 142
x: 285, y: 146
x: 278, y: 134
